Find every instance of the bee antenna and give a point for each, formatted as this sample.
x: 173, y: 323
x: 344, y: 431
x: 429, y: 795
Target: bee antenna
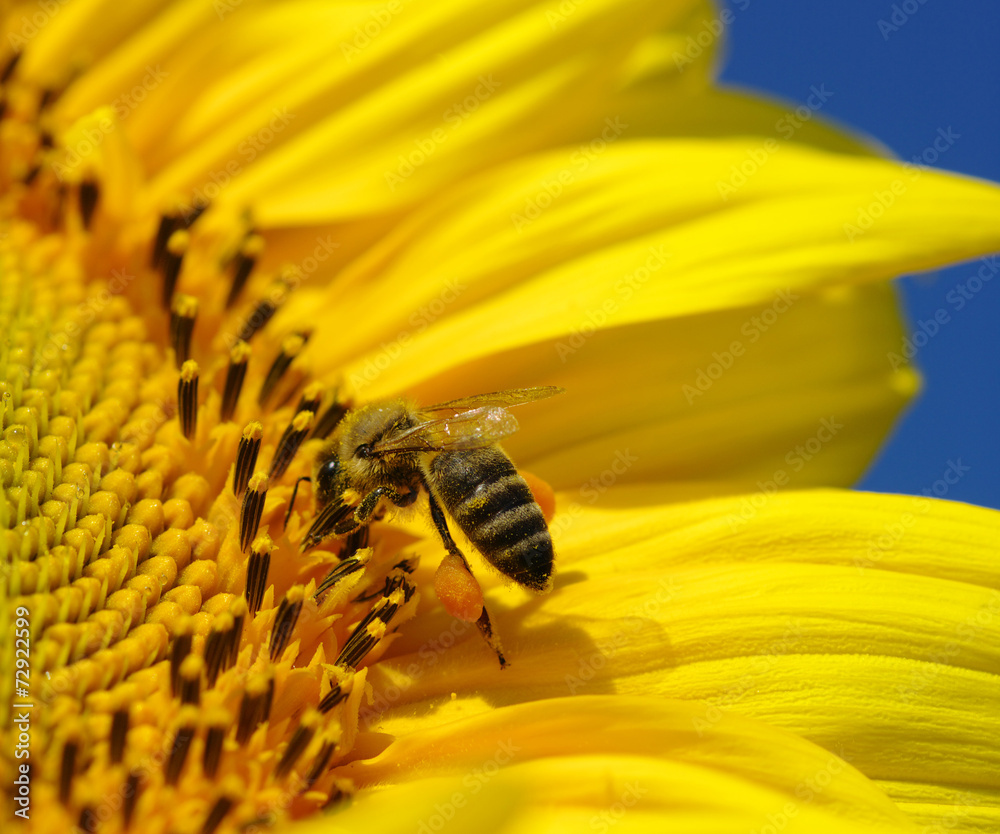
x: 291, y: 504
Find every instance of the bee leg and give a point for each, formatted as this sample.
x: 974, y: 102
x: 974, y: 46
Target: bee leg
x: 291, y: 504
x: 366, y: 509
x: 483, y: 623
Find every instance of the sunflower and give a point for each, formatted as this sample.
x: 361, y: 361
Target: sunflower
x: 224, y: 225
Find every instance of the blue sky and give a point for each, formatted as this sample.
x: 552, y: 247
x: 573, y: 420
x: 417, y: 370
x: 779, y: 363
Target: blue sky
x: 902, y: 72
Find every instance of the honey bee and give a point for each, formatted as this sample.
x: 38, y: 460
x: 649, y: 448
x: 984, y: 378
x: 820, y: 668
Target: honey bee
x: 391, y: 450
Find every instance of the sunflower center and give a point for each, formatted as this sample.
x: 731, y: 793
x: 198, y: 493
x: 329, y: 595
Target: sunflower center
x: 191, y: 666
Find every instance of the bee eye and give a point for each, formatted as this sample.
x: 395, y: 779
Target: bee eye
x: 363, y: 451
x: 328, y: 472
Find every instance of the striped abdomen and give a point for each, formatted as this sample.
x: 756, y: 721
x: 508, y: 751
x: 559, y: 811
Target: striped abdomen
x: 494, y: 507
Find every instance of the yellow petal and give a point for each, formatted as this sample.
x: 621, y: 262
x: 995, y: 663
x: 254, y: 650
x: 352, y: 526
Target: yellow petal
x: 250, y: 103
x: 508, y: 78
x: 405, y: 808
x: 641, y: 231
x: 643, y: 762
x: 74, y: 35
x: 868, y: 624
x: 713, y: 403
x: 668, y: 88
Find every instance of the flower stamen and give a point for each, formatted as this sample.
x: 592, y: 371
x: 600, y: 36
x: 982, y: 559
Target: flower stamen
x: 173, y: 257
x: 290, y: 348
x: 297, y: 745
x: 348, y: 566
x: 183, y: 313
x: 187, y: 726
x: 88, y: 195
x: 218, y: 725
x: 66, y: 769
x: 219, y: 646
x: 293, y: 436
x: 190, y: 678
x: 246, y: 259
x: 258, y: 565
x: 255, y: 708
x: 252, y: 509
x: 331, y: 418
x: 219, y: 810
x: 285, y: 620
x: 119, y: 730
x: 239, y: 359
x: 187, y: 398
x: 246, y: 456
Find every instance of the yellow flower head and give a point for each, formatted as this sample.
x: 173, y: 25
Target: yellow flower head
x: 227, y: 228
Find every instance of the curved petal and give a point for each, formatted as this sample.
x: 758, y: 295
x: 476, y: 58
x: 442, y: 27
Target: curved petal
x: 246, y: 103
x: 638, y: 761
x: 508, y: 70
x: 712, y: 403
x: 668, y: 88
x: 868, y: 624
x: 721, y: 111
x: 642, y: 231
x: 421, y: 803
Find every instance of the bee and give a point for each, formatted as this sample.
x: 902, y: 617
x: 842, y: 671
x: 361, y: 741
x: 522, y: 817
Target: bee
x: 391, y: 451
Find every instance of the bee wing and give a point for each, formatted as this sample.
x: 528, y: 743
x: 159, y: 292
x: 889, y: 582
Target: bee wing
x: 468, y: 430
x: 498, y: 399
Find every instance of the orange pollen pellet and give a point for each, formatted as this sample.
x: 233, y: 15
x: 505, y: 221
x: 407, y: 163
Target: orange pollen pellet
x: 458, y: 589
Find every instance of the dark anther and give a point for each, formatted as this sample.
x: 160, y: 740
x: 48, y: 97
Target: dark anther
x: 119, y: 729
x: 246, y: 456
x: 173, y: 257
x: 252, y: 509
x: 257, y: 568
x: 284, y: 622
x: 244, y: 263
x: 88, y: 201
x: 183, y: 313
x: 239, y: 357
x: 290, y: 348
x: 187, y: 398
x: 291, y: 439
